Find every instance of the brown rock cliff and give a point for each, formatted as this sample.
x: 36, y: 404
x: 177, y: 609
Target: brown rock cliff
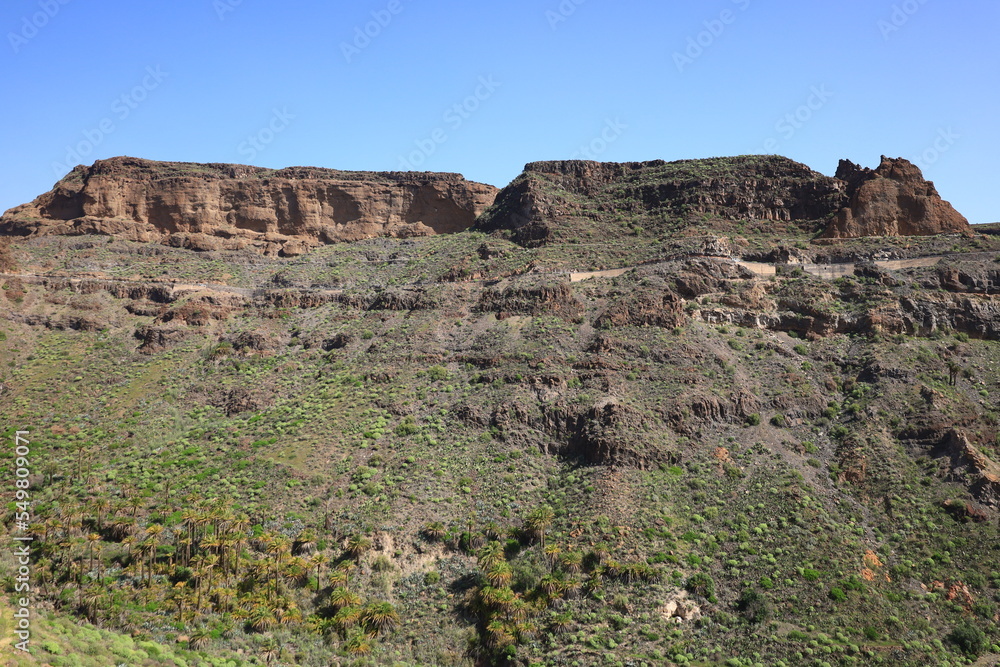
x: 216, y: 206
x: 892, y: 200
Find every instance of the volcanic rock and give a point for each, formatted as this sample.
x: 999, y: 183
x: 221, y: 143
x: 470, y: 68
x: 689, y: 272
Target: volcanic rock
x: 893, y: 200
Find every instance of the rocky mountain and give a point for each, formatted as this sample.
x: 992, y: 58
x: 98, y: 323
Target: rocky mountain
x: 479, y: 448
x: 223, y: 206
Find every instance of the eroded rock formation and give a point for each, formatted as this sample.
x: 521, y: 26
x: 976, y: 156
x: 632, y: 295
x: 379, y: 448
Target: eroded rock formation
x: 892, y: 200
x: 222, y: 206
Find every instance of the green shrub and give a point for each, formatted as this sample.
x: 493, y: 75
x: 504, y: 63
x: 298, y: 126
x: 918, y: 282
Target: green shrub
x: 968, y: 638
x: 753, y: 606
x: 753, y: 420
x: 701, y: 584
x: 837, y: 594
x: 437, y: 373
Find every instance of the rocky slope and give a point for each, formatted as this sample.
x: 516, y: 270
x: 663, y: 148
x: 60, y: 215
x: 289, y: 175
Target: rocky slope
x: 216, y: 206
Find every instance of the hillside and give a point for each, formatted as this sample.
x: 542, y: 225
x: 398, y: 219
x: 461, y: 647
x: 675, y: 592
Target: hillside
x: 458, y: 449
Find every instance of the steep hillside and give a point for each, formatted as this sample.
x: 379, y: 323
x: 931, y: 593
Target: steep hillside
x: 458, y: 450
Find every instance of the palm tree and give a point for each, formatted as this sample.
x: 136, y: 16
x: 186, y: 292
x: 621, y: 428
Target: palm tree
x: 135, y: 502
x: 92, y: 599
x: 492, y: 530
x: 538, y: 521
x: 551, y: 585
x: 261, y: 617
x: 359, y: 644
x: 223, y: 597
x: 122, y: 527
x: 552, y: 553
x: 499, y: 635
x: 318, y: 560
x: 572, y: 561
x: 491, y: 554
x: 572, y: 586
x: 287, y: 613
x: 269, y: 649
x: 178, y: 594
x: 601, y: 551
x: 357, y: 546
x: 101, y: 505
x: 337, y: 577
x: 278, y: 547
x: 561, y: 623
x: 199, y: 639
x: 297, y: 569
x: 153, y: 531
x: 499, y: 575
x: 346, y: 618
x: 208, y: 564
x: 92, y: 539
x: 379, y: 617
x: 342, y: 597
x: 305, y: 543
x: 435, y: 531
x: 144, y: 552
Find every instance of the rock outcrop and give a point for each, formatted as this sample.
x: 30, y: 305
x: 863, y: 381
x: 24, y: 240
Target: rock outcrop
x: 892, y: 200
x: 224, y: 206
x: 552, y: 201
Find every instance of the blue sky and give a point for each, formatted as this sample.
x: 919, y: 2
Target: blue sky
x: 483, y: 88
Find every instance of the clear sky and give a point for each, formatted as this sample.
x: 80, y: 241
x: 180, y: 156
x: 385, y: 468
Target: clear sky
x: 482, y: 88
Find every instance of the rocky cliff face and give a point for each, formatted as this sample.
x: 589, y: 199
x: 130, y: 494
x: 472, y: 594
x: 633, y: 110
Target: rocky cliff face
x: 554, y: 201
x: 892, y: 200
x: 216, y: 206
